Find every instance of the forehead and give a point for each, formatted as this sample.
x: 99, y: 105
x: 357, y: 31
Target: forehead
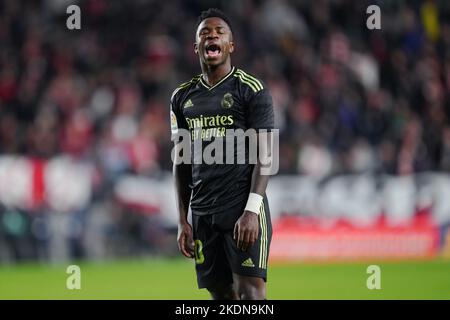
x: 213, y: 22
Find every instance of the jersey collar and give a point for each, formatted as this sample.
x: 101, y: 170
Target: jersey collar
x: 203, y: 82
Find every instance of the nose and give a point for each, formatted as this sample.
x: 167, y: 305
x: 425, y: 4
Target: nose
x: 212, y: 35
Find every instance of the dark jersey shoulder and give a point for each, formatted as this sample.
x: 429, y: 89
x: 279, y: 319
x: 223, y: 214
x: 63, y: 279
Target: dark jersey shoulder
x: 176, y: 116
x: 182, y: 90
x: 258, y: 101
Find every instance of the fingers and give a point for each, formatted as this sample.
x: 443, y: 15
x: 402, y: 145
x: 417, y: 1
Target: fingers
x: 246, y: 232
x: 249, y: 239
x: 245, y: 237
x: 186, y: 244
x: 254, y: 238
x: 190, y: 245
x: 246, y: 241
x: 240, y: 237
x: 182, y: 247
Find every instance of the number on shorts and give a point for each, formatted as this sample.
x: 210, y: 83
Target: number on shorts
x: 198, y: 251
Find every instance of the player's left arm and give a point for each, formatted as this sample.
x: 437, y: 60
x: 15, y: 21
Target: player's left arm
x: 260, y: 118
x: 247, y: 227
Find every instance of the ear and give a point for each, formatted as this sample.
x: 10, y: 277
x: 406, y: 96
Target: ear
x: 231, y: 46
x: 196, y: 48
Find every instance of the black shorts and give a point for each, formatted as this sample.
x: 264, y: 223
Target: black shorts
x: 216, y: 254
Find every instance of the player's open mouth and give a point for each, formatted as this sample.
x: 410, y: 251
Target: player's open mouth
x: 212, y: 50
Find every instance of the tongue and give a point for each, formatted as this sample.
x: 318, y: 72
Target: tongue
x: 213, y: 53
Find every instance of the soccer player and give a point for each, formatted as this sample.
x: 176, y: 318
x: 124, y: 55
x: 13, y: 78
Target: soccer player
x: 231, y: 227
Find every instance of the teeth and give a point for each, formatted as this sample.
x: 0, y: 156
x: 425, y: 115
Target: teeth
x: 213, y: 53
x: 213, y: 50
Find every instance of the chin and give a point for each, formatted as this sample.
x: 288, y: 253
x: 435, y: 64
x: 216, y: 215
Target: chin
x: 214, y: 63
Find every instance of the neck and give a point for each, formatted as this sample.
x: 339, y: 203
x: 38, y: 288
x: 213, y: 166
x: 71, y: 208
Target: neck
x: 213, y: 74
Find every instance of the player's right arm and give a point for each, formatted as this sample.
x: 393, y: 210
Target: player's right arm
x: 182, y: 173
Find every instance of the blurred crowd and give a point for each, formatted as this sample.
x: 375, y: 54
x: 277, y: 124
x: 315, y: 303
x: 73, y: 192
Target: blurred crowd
x: 347, y: 99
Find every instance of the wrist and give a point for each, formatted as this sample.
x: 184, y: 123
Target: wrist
x: 254, y: 203
x: 250, y: 213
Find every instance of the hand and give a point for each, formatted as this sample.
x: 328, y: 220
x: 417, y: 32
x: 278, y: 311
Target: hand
x: 246, y: 230
x: 185, y: 240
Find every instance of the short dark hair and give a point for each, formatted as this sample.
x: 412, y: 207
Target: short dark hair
x: 213, y: 13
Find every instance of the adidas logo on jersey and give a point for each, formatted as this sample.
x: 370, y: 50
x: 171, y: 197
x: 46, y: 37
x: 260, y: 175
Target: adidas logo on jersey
x: 248, y: 263
x: 188, y: 104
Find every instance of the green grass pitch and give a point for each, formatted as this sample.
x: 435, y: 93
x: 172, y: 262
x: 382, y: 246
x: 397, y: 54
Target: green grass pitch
x: 175, y: 279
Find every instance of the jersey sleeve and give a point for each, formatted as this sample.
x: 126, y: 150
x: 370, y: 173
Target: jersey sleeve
x: 177, y: 120
x: 260, y: 111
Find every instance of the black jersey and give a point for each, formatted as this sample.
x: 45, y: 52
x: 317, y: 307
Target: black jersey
x: 238, y: 101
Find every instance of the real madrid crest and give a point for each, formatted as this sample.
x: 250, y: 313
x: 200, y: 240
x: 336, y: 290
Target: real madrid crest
x: 227, y: 101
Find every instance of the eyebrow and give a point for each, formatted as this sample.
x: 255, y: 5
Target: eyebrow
x: 215, y: 27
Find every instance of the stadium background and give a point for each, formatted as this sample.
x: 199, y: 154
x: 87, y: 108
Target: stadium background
x: 364, y: 145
